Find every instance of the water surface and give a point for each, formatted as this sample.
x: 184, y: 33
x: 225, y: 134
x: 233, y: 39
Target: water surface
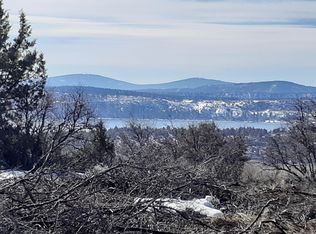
x: 160, y: 123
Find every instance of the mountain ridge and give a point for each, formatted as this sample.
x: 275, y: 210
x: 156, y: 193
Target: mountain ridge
x: 192, y: 87
x: 99, y: 81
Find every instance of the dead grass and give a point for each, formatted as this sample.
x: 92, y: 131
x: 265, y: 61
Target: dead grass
x: 257, y: 172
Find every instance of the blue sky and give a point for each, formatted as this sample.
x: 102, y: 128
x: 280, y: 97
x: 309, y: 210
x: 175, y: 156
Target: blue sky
x: 153, y: 41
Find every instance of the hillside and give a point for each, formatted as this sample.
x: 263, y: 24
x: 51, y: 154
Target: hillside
x: 193, y: 88
x: 96, y: 81
x: 186, y: 99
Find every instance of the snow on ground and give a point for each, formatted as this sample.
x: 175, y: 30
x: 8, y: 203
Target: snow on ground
x: 202, y: 105
x: 202, y: 206
x: 11, y: 174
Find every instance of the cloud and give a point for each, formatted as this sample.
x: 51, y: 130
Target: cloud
x: 291, y: 22
x: 128, y: 37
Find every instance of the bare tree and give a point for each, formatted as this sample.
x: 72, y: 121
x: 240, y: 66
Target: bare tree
x: 200, y: 143
x: 294, y: 151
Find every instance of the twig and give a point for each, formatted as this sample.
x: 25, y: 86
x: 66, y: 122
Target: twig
x: 69, y: 192
x: 259, y: 215
x: 305, y: 193
x: 275, y: 224
x: 142, y: 230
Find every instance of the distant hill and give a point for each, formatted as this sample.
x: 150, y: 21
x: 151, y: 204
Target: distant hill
x: 96, y: 81
x: 189, y: 83
x: 255, y: 90
x: 192, y: 88
x: 89, y: 80
x: 272, y: 87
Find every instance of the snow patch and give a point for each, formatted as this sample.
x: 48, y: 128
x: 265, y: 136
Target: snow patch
x: 202, y: 105
x: 202, y: 206
x: 5, y: 175
x: 187, y: 101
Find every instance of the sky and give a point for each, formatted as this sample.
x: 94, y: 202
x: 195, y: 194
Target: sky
x: 155, y: 41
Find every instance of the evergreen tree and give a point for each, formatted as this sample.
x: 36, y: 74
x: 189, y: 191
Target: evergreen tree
x: 4, y: 26
x: 27, y: 77
x: 22, y: 89
x: 103, y: 146
x: 4, y: 45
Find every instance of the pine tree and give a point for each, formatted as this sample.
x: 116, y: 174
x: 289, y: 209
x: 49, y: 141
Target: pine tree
x: 27, y: 76
x: 4, y: 45
x: 103, y: 147
x: 22, y: 89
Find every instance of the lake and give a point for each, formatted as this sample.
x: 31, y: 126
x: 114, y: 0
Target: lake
x: 160, y: 123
